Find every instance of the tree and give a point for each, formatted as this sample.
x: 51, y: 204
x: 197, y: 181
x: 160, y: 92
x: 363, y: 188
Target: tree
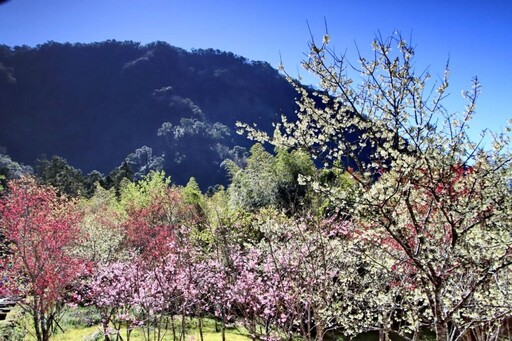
x: 59, y: 174
x: 142, y: 161
x: 309, y: 275
x: 192, y: 194
x: 253, y: 186
x: 293, y: 195
x: 119, y: 176
x: 153, y: 212
x: 269, y: 180
x: 10, y: 169
x: 434, y: 210
x: 41, y: 227
x: 196, y: 144
x: 101, y: 228
x: 144, y: 192
x: 92, y: 180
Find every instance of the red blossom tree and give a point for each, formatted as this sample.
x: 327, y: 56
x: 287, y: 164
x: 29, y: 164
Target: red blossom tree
x: 41, y: 228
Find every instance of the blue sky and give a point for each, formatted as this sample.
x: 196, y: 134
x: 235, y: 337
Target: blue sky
x: 475, y: 35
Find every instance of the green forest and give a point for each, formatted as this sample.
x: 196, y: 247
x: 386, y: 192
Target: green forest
x: 367, y: 213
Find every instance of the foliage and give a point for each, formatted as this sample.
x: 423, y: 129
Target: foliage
x: 119, y: 177
x: 142, y: 193
x: 14, y: 327
x: 95, y: 103
x: 195, y: 143
x: 101, y: 228
x: 269, y: 180
x: 10, y: 169
x: 59, y: 174
x: 150, y: 211
x: 254, y: 186
x: 192, y: 193
x: 142, y: 162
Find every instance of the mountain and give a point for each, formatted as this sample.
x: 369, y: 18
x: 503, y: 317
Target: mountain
x: 154, y: 105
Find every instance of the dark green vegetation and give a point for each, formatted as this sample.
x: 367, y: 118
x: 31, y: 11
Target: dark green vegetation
x: 155, y: 105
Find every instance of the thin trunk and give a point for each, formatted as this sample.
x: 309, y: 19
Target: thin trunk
x: 158, y: 334
x: 36, y: 317
x: 118, y: 331
x: 36, y: 326
x: 382, y: 335
x: 250, y: 324
x: 105, y: 330
x: 46, y: 327
x: 223, y: 330
x: 173, y: 328
x: 308, y: 325
x: 441, y: 330
x: 128, y: 332
x: 46, y: 335
x: 200, y: 321
x: 319, y: 333
x: 104, y: 324
x: 183, y: 327
x: 42, y: 332
x: 319, y: 327
x: 509, y: 328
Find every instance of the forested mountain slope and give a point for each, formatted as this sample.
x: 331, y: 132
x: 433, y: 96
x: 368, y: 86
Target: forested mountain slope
x: 94, y: 104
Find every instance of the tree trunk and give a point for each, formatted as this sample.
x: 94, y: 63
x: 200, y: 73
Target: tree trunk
x: 382, y: 335
x: 105, y: 320
x: 39, y: 336
x: 173, y: 328
x: 200, y: 322
x: 183, y: 325
x: 223, y: 328
x: 441, y: 331
x: 45, y: 328
x: 441, y: 325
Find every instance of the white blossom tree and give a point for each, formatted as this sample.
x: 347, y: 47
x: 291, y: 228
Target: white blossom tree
x: 435, y: 207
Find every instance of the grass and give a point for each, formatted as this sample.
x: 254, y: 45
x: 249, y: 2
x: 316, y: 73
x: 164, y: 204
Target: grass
x: 89, y: 332
x: 83, y: 324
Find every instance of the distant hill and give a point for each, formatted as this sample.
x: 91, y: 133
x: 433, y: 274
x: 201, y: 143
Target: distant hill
x: 94, y: 104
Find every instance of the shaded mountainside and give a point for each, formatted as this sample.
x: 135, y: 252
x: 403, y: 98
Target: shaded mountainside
x: 94, y: 104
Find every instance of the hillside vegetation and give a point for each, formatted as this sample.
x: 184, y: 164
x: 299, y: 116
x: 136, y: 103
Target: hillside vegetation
x: 94, y: 104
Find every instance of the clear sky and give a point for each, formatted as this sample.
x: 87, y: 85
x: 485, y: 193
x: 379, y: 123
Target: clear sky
x: 476, y: 35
